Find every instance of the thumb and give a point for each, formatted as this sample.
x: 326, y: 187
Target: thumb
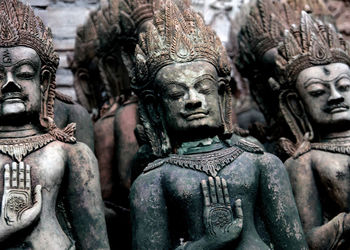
x: 30, y: 215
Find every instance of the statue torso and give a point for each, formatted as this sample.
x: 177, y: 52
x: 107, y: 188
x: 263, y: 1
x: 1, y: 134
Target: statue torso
x: 184, y: 198
x: 47, y: 169
x: 332, y: 175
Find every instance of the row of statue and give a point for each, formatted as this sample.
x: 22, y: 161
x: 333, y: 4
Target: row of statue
x: 154, y: 156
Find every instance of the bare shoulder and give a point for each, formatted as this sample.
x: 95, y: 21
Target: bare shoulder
x: 146, y: 184
x: 269, y: 161
x: 79, y: 151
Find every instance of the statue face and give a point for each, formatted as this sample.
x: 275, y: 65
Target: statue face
x: 325, y: 92
x: 189, y: 97
x: 19, y: 81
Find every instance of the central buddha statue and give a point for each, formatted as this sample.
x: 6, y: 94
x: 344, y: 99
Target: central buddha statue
x: 203, y: 191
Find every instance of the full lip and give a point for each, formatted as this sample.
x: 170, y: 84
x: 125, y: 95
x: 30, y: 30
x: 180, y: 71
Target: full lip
x: 195, y: 115
x: 336, y: 109
x: 12, y: 97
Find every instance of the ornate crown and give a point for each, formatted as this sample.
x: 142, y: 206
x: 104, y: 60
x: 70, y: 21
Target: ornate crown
x: 179, y: 35
x: 20, y: 27
x: 108, y: 28
x: 263, y: 29
x: 309, y: 44
x: 134, y: 12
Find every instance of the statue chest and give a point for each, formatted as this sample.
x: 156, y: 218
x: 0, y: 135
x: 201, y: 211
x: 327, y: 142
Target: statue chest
x: 47, y: 167
x: 332, y: 173
x: 183, y: 189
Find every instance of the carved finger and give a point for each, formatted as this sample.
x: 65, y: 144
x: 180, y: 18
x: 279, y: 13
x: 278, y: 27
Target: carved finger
x: 219, y: 190
x: 28, y: 179
x: 7, y: 176
x: 205, y: 192
x: 21, y: 175
x: 212, y: 190
x: 14, y: 175
x: 226, y: 194
x: 238, y: 209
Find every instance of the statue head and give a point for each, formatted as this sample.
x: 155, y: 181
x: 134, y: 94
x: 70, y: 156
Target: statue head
x: 182, y: 79
x: 313, y: 78
x: 258, y: 40
x: 28, y: 68
x: 115, y: 44
x: 84, y: 65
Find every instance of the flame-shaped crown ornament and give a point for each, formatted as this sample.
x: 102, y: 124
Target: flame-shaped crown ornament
x: 20, y: 27
x: 178, y: 35
x: 310, y: 44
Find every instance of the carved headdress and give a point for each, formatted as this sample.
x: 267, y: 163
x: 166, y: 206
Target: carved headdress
x: 20, y: 27
x: 178, y: 35
x: 308, y: 44
x: 262, y: 31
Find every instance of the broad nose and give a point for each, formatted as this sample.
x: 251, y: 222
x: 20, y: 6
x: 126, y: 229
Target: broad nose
x: 193, y: 101
x: 10, y: 84
x: 335, y: 97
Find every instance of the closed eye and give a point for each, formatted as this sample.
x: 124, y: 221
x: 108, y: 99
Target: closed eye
x: 25, y: 75
x: 316, y: 93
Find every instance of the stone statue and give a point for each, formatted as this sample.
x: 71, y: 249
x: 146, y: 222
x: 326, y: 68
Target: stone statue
x: 340, y: 10
x: 49, y: 183
x: 257, y: 41
x: 203, y: 195
x: 313, y: 81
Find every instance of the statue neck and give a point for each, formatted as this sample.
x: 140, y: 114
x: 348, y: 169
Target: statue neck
x: 19, y: 131
x: 336, y: 136
x: 201, y: 146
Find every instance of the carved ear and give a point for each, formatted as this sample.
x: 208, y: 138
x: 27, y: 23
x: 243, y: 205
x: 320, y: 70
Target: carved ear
x: 295, y: 116
x: 153, y: 124
x: 46, y: 78
x: 226, y: 106
x: 45, y: 81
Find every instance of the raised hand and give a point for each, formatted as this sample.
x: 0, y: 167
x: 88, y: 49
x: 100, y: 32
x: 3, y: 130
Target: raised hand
x: 221, y: 227
x: 17, y: 210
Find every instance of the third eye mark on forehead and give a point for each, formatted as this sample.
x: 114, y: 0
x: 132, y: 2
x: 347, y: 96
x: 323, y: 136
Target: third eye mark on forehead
x: 326, y: 71
x: 321, y: 81
x: 6, y: 57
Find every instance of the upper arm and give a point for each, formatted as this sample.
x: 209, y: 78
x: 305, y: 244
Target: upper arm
x: 149, y: 216
x: 279, y: 209
x: 305, y: 192
x: 85, y: 131
x: 84, y: 198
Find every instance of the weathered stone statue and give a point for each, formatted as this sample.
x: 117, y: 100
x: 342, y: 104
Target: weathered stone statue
x: 258, y: 40
x: 203, y: 195
x: 340, y: 10
x: 313, y: 82
x: 49, y: 184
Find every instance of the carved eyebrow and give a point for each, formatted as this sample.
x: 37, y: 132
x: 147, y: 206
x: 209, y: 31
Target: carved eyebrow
x: 325, y: 82
x: 24, y: 62
x: 204, y: 77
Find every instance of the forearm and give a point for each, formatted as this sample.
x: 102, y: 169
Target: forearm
x: 329, y: 235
